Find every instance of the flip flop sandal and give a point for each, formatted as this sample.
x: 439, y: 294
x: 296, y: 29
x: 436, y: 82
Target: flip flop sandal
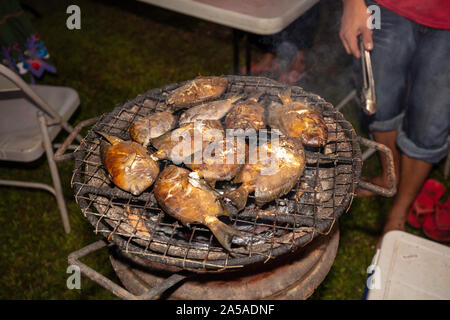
x: 432, y: 231
x: 420, y: 209
x: 425, y: 203
x: 443, y: 215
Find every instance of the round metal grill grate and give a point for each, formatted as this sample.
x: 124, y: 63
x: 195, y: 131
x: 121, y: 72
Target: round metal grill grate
x: 139, y: 226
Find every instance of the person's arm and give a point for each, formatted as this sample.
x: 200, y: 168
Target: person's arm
x: 353, y: 23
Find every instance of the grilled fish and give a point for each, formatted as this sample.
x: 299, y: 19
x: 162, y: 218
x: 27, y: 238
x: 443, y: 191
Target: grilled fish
x: 214, y: 110
x: 129, y: 165
x: 246, y: 115
x: 196, y: 91
x: 151, y: 127
x: 192, y: 201
x: 178, y: 145
x: 296, y: 120
x: 273, y: 174
x: 222, y: 160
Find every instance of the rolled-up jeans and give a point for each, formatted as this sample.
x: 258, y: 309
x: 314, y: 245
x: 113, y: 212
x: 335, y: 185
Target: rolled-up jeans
x: 411, y: 66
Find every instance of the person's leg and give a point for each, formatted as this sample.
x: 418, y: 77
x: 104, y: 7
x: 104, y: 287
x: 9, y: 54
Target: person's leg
x: 423, y: 136
x: 267, y: 44
x: 394, y: 46
x: 425, y: 129
x: 268, y: 63
x: 285, y: 49
x: 296, y: 70
x: 300, y: 34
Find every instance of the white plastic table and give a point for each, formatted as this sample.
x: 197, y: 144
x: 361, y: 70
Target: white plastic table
x: 262, y: 17
x: 256, y: 16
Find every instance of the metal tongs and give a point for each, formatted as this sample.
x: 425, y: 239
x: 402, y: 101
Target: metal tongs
x: 368, y: 98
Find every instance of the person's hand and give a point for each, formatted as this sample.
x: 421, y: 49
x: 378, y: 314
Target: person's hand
x: 353, y: 23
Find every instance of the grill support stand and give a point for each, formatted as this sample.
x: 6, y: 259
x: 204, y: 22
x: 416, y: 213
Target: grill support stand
x: 311, y: 275
x: 106, y: 283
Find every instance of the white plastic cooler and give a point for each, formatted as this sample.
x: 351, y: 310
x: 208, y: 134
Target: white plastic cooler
x: 408, y: 267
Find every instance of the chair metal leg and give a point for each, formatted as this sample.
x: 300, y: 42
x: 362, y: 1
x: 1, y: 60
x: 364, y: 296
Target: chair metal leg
x: 236, y: 51
x: 71, y: 147
x: 350, y: 96
x: 54, y: 172
x: 367, y: 154
x: 25, y: 184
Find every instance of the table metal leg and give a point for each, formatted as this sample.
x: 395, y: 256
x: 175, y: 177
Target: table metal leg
x: 236, y: 34
x: 248, y: 53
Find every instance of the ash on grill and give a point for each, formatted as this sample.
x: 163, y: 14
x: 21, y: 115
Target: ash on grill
x: 138, y: 225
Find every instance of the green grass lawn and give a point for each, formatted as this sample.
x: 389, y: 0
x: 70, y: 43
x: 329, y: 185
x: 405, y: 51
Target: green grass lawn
x: 123, y: 49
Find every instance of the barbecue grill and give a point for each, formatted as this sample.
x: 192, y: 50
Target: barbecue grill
x: 137, y: 226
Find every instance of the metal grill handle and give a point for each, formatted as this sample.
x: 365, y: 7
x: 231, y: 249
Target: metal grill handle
x: 152, y: 294
x: 59, y: 154
x: 391, y: 190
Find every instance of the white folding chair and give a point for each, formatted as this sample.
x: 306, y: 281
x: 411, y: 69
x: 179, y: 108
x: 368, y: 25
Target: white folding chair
x: 31, y: 116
